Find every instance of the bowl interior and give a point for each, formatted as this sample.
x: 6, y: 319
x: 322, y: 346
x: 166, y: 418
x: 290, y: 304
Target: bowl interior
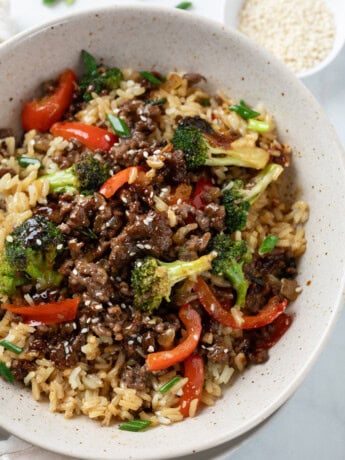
x: 155, y: 38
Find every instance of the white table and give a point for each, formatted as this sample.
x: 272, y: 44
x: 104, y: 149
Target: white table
x: 311, y: 425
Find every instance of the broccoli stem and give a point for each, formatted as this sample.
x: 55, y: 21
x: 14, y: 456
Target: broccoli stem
x: 247, y: 158
x: 179, y: 270
x: 261, y: 181
x: 63, y: 181
x: 235, y: 275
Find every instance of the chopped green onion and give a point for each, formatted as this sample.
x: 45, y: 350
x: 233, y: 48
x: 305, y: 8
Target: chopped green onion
x: 89, y: 62
x: 11, y: 347
x: 24, y: 162
x: 244, y: 111
x: 135, y: 425
x: 119, y: 126
x: 268, y: 244
x: 184, y: 5
x: 258, y: 126
x: 151, y: 78
x: 53, y: 2
x: 6, y: 372
x: 205, y: 102
x: 167, y: 386
x: 158, y: 102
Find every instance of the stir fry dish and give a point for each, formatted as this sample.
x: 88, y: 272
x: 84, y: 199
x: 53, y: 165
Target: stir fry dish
x: 148, y: 249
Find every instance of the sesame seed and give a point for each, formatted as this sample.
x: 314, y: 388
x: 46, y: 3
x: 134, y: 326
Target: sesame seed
x: 38, y: 242
x: 150, y: 349
x: 84, y: 330
x: 9, y: 238
x: 59, y: 247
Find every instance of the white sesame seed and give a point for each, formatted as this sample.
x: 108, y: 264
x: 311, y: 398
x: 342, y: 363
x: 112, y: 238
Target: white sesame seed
x: 9, y: 238
x: 150, y: 349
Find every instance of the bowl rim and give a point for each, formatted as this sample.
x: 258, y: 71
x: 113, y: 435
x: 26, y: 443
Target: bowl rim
x: 217, y: 28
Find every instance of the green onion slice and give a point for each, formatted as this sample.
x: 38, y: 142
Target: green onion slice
x: 244, y: 111
x: 151, y: 78
x: 258, y: 126
x: 89, y: 62
x: 11, y: 347
x: 135, y: 425
x: 268, y: 244
x: 184, y: 5
x: 119, y: 126
x: 167, y: 386
x: 24, y: 162
x: 6, y: 373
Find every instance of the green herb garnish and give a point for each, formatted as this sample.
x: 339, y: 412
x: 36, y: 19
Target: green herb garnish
x: 6, y: 373
x: 244, y: 111
x: 151, y: 78
x: 24, y: 162
x: 167, y: 386
x: 184, y: 5
x: 135, y: 425
x: 258, y: 126
x: 118, y: 125
x: 268, y: 244
x: 11, y: 347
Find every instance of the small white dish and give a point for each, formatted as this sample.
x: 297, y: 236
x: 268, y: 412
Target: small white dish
x: 231, y: 14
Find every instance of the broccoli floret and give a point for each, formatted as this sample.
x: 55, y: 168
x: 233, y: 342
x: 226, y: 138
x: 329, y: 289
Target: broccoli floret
x: 237, y: 198
x: 203, y: 146
x: 96, y: 77
x: 231, y: 255
x: 30, y: 254
x: 9, y: 279
x: 152, y: 280
x: 85, y: 176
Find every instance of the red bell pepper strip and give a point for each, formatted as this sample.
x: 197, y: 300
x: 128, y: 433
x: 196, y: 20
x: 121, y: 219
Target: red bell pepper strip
x: 195, y: 372
x: 276, y: 331
x: 112, y: 185
x: 201, y: 186
x: 163, y: 359
x: 266, y: 315
x: 40, y: 114
x: 49, y: 313
x: 92, y: 137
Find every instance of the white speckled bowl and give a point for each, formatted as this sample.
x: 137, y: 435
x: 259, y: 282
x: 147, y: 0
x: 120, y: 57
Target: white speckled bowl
x: 158, y: 38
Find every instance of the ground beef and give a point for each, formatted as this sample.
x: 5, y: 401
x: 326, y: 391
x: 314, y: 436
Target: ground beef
x: 150, y: 234
x: 264, y: 273
x: 194, y: 78
x: 175, y: 167
x: 21, y: 367
x: 93, y: 278
x: 136, y: 377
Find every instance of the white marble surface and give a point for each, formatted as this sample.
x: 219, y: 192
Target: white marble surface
x: 311, y: 425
